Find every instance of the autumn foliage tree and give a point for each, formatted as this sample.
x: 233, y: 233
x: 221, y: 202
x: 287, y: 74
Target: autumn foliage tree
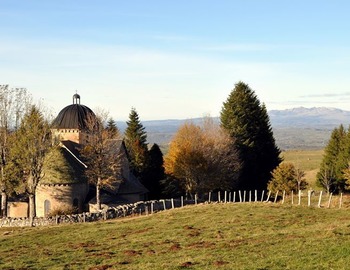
x: 100, y: 154
x: 287, y: 178
x: 32, y: 143
x: 202, y: 158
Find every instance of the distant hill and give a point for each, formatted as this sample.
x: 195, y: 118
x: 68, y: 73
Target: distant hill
x: 297, y: 128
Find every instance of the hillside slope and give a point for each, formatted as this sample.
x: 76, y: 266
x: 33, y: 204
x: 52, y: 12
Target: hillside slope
x: 212, y: 236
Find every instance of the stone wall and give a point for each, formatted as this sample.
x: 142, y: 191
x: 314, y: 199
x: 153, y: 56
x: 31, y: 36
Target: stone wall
x: 138, y: 208
x: 49, y: 198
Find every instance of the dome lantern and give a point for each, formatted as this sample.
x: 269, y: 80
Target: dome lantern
x: 76, y: 98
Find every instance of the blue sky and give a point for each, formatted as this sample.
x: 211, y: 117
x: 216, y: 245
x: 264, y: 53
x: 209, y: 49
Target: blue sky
x: 176, y: 59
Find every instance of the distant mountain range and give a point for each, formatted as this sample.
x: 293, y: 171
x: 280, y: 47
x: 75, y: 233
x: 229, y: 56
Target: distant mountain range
x: 297, y: 128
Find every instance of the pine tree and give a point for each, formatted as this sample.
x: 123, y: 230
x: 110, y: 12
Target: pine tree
x: 247, y: 121
x: 112, y: 128
x: 335, y: 160
x: 154, y: 173
x: 135, y: 138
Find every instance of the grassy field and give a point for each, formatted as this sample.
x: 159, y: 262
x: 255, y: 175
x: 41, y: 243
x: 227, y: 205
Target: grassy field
x: 215, y: 236
x: 307, y: 160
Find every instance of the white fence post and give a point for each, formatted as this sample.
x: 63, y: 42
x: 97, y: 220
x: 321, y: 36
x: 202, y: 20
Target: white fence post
x: 276, y: 196
x: 240, y: 196
x: 268, y: 196
x: 262, y: 195
x: 209, y: 196
x: 299, y: 196
x: 341, y: 200
x: 319, y: 199
x: 330, y: 199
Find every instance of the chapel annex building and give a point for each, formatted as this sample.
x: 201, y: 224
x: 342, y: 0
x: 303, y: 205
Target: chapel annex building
x: 64, y: 185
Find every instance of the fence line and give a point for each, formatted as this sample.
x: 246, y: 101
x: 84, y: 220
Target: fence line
x: 150, y: 207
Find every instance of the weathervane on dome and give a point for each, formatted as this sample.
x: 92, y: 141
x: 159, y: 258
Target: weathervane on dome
x: 76, y: 97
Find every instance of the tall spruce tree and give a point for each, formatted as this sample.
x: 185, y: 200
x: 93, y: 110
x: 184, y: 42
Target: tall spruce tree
x: 135, y: 138
x: 154, y: 173
x: 247, y: 121
x: 335, y: 160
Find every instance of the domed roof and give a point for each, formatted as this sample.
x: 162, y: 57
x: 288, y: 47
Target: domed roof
x: 73, y: 116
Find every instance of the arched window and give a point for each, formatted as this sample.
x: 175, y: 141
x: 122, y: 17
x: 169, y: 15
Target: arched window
x: 47, y: 207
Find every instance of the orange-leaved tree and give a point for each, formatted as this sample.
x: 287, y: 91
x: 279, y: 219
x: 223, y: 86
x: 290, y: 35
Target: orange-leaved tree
x: 202, y: 159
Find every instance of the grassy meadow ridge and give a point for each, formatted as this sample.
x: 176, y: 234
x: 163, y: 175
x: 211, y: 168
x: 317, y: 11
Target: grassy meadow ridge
x: 206, y: 236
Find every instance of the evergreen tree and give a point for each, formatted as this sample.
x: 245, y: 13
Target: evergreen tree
x: 112, y: 128
x: 335, y: 161
x: 135, y: 138
x: 154, y: 173
x: 247, y: 121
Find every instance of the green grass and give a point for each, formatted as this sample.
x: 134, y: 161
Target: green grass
x: 307, y: 160
x: 215, y: 236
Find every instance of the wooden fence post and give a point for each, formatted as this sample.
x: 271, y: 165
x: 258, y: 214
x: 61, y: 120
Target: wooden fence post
x: 262, y: 195
x: 244, y: 195
x: 182, y: 201
x: 309, y: 198
x: 225, y: 196
x: 172, y: 203
x: 209, y: 196
x: 292, y: 197
x: 219, y: 196
x: 319, y: 200
x: 164, y: 205
x: 152, y: 207
x: 268, y: 196
x: 240, y: 196
x: 276, y: 196
x: 330, y: 199
x: 341, y: 200
x: 230, y: 196
x: 283, y: 196
x: 299, y: 197
x: 234, y: 196
x: 195, y: 199
x: 256, y: 195
x: 250, y: 196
